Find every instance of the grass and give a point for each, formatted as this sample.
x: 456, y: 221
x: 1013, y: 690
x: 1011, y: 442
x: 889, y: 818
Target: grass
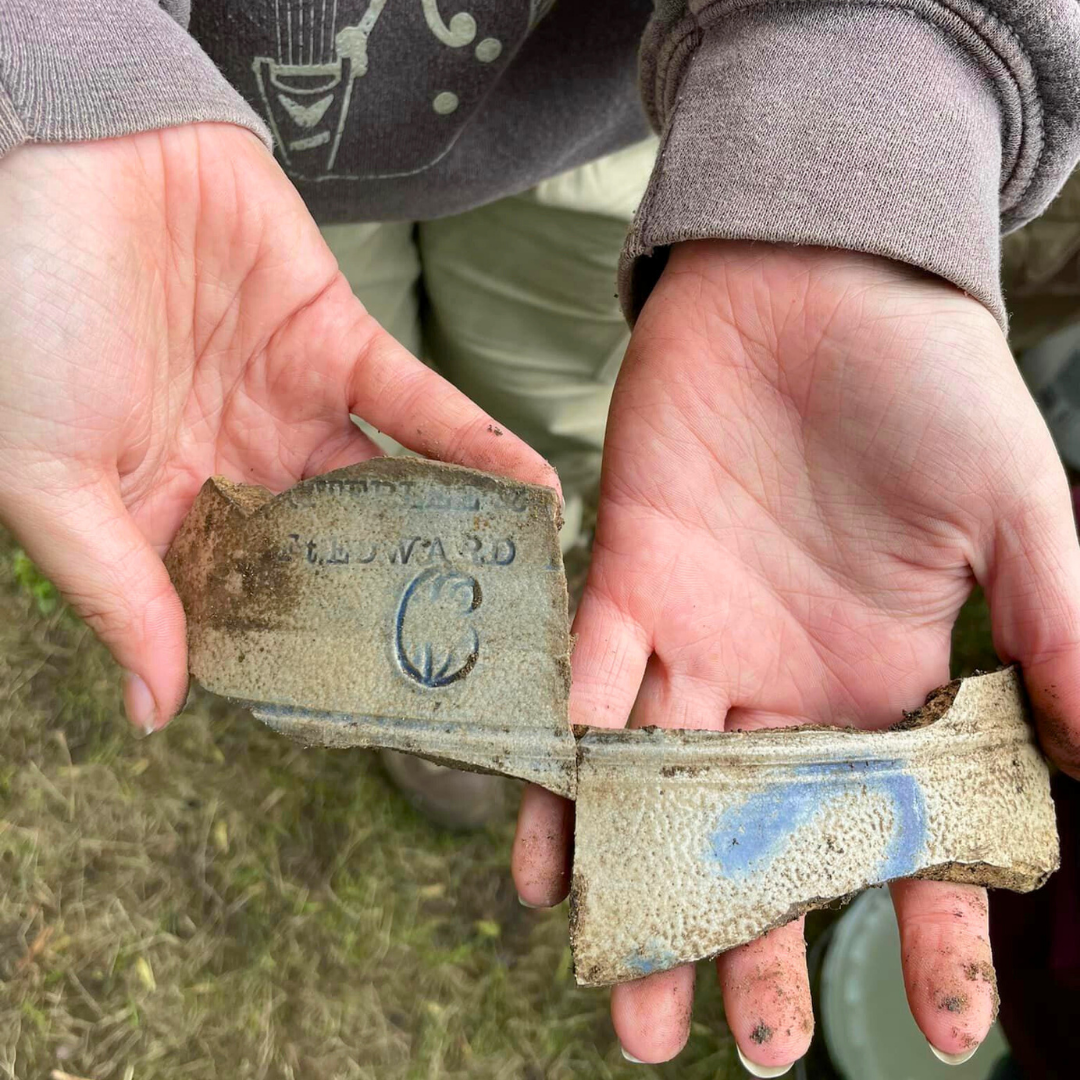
x: 214, y: 901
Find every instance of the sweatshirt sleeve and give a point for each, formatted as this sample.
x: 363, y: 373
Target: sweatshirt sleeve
x: 915, y: 129
x: 92, y: 69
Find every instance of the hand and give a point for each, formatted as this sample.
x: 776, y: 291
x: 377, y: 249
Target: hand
x: 168, y: 310
x: 811, y: 457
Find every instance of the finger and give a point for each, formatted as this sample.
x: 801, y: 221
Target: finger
x: 350, y: 447
x: 766, y: 993
x: 609, y: 656
x: 386, y: 385
x: 86, y: 543
x: 679, y: 700
x: 1033, y: 586
x: 948, y: 967
x: 606, y: 665
x: 652, y: 1015
x: 411, y: 403
x: 541, y: 859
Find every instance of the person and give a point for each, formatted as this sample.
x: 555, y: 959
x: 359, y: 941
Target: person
x: 817, y: 440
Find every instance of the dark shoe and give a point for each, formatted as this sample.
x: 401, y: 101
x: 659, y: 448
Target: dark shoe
x: 447, y: 797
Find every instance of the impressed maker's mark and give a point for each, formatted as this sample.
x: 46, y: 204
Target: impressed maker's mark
x: 436, y: 642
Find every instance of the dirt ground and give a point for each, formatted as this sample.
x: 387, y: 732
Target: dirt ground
x: 214, y: 901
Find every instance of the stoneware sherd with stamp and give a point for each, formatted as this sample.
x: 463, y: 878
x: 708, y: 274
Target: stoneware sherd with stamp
x: 422, y: 607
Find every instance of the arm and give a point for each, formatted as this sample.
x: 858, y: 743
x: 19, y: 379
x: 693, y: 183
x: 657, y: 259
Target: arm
x: 917, y: 131
x: 169, y: 310
x: 814, y: 454
x: 72, y: 70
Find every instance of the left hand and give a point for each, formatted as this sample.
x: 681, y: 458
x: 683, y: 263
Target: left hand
x: 811, y: 458
x: 169, y: 310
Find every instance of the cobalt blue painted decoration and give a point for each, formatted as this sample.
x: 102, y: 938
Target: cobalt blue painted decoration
x: 653, y: 958
x: 751, y: 835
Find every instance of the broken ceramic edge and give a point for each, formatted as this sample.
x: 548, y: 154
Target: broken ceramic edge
x: 688, y: 843
x: 399, y: 603
x: 421, y: 607
x: 540, y: 760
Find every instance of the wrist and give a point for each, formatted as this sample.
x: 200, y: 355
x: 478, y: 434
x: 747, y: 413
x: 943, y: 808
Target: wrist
x: 778, y: 307
x: 855, y: 125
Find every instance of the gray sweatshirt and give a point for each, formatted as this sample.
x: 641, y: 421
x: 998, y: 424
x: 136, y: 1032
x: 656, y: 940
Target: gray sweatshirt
x: 915, y: 129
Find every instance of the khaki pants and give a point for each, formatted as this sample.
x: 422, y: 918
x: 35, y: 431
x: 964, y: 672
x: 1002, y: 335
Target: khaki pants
x: 515, y: 302
x: 1041, y: 271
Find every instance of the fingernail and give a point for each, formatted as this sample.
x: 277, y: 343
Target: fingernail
x: 525, y: 903
x: 630, y: 1057
x: 762, y: 1070
x: 953, y: 1059
x: 139, y: 703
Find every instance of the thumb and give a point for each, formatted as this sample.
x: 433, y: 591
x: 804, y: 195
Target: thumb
x: 87, y: 544
x: 380, y: 381
x: 1033, y: 586
x: 609, y: 658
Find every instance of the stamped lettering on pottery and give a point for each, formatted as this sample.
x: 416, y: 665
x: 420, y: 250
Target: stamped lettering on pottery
x: 403, y: 551
x: 410, y: 496
x: 436, y: 643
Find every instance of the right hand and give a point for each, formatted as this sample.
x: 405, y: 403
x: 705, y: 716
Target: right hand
x: 169, y: 310
x: 812, y: 455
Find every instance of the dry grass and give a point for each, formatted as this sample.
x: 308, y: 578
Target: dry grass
x: 215, y: 902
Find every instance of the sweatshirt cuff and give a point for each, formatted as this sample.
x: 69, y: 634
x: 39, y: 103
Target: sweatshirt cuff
x: 862, y: 127
x: 72, y: 70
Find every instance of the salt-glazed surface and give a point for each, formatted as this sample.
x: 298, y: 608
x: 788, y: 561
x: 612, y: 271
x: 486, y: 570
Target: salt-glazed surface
x: 422, y: 607
x: 688, y: 843
x: 398, y: 603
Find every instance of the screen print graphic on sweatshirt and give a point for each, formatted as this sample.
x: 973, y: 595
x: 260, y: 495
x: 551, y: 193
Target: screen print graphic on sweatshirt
x: 358, y: 89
